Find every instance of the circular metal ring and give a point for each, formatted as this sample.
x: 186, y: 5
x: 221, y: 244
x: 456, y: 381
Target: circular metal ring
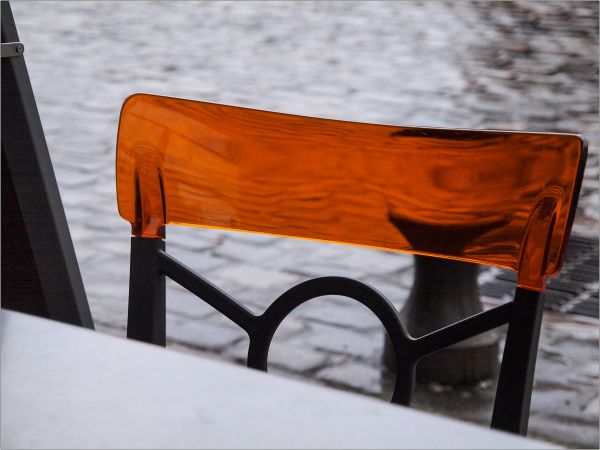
x: 269, y: 321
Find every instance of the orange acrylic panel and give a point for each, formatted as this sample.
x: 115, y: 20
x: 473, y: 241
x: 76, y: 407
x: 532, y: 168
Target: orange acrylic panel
x: 492, y: 197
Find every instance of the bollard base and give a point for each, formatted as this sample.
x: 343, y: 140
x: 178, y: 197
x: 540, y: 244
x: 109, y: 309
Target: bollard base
x: 444, y: 292
x: 467, y: 362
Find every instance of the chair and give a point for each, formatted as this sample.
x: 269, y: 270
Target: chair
x: 505, y: 199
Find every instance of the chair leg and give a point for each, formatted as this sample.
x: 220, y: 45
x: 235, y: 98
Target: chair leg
x: 515, y: 383
x: 405, y: 383
x: 146, y: 316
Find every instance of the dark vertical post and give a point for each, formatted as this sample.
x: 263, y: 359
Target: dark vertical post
x: 40, y: 274
x: 146, y: 316
x: 515, y: 383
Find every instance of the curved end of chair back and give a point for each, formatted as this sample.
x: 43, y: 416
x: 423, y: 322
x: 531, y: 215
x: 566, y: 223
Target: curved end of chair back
x: 499, y: 198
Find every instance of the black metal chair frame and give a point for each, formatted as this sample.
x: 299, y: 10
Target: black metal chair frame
x: 150, y: 264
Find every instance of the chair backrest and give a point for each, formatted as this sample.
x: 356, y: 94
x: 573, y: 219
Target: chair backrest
x: 499, y: 198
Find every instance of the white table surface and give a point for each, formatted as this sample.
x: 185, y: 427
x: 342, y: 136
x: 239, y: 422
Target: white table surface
x: 66, y: 387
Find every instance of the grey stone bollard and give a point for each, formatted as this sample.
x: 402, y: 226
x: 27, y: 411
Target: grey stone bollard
x: 446, y: 291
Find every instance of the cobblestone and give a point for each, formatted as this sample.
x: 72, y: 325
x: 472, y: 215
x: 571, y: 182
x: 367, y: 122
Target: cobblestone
x: 360, y: 319
x: 336, y: 340
x: 507, y: 65
x: 235, y: 250
x: 201, y: 261
x: 356, y: 376
x: 204, y: 336
x: 286, y: 358
x: 252, y: 276
x: 183, y: 303
x: 593, y: 408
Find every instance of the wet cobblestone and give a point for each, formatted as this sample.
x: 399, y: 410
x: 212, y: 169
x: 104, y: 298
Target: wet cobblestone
x: 508, y: 65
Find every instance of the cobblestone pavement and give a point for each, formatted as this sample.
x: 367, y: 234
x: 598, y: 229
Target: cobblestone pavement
x: 523, y: 66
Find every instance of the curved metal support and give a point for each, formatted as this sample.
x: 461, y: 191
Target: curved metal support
x: 261, y: 329
x: 270, y: 320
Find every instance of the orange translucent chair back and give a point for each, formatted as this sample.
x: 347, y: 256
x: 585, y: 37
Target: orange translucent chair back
x: 499, y: 198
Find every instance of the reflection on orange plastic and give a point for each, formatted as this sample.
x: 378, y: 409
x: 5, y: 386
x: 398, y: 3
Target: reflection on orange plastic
x: 499, y: 198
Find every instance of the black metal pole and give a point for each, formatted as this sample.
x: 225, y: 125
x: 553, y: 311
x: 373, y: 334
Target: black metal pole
x: 147, y: 309
x: 515, y: 383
